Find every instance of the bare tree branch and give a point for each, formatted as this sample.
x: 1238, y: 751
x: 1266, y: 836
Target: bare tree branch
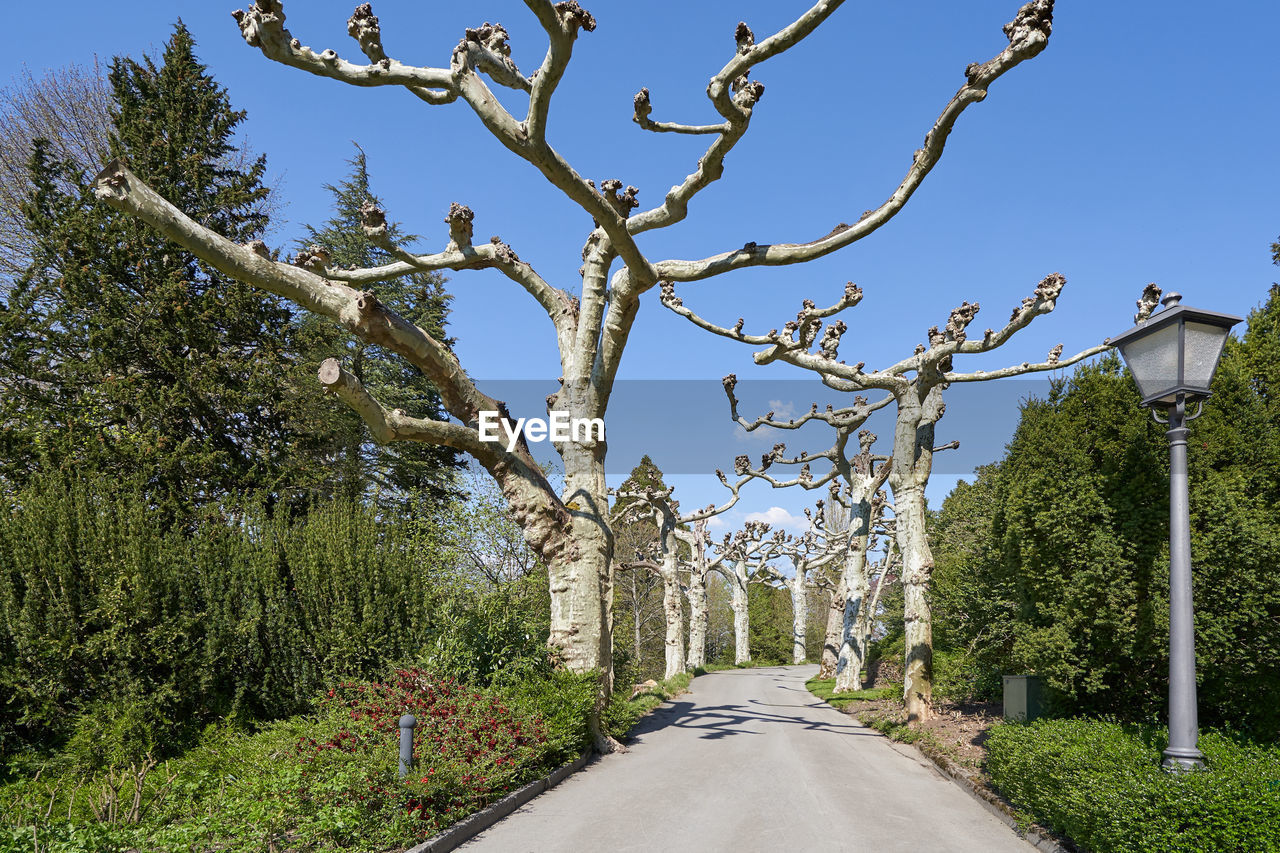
x: 562, y: 22
x: 263, y: 27
x: 643, y: 107
x: 1028, y: 34
x: 460, y: 254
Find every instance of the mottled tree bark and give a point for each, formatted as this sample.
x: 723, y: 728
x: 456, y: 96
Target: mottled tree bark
x: 853, y: 617
x: 700, y: 565
x: 831, y: 637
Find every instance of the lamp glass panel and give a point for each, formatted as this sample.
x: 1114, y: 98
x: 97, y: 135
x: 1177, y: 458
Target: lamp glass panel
x: 1153, y: 359
x: 1204, y: 347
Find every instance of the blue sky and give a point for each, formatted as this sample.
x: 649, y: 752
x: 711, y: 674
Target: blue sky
x: 1138, y: 147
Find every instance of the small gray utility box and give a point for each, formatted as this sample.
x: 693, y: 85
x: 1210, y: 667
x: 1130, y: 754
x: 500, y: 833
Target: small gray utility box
x: 1023, y: 697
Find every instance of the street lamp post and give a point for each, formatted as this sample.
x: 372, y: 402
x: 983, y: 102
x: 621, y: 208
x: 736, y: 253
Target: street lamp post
x: 1173, y: 355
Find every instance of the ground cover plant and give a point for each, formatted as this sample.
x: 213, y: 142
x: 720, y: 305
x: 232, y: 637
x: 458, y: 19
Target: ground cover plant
x: 1100, y: 784
x: 326, y: 780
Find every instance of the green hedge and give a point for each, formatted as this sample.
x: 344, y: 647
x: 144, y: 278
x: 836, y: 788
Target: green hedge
x: 114, y: 623
x: 1101, y: 785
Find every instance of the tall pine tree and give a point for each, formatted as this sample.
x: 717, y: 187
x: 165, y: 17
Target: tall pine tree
x: 121, y: 353
x: 406, y: 471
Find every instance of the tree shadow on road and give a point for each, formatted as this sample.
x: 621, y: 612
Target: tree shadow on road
x: 751, y: 718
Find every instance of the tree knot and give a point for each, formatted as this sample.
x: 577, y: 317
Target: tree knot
x: 373, y: 220
x: 363, y: 27
x: 459, y: 220
x: 1147, y: 302
x: 643, y: 106
x: 367, y: 303
x: 622, y: 201
x: 1031, y: 27
x: 668, y: 296
x: 315, y: 258
x: 574, y: 17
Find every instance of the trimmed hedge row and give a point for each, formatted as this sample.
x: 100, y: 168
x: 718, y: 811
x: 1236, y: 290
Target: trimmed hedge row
x: 1101, y: 785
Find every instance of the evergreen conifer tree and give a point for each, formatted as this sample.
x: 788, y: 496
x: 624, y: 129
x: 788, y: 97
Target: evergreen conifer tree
x: 121, y: 353
x: 406, y: 470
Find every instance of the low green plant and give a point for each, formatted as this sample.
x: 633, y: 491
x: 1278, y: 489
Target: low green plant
x: 324, y: 781
x: 625, y: 710
x: 824, y: 689
x: 1100, y: 784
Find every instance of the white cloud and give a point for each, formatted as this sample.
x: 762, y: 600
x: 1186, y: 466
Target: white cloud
x: 777, y: 517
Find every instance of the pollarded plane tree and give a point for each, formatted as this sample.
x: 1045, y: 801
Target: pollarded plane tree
x: 858, y: 629
x: 745, y: 556
x: 676, y: 529
x: 570, y: 530
x: 809, y: 552
x: 862, y: 472
x: 916, y: 385
x: 852, y: 605
x: 701, y: 564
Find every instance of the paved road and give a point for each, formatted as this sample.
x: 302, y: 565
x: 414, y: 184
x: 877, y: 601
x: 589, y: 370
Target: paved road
x: 751, y: 761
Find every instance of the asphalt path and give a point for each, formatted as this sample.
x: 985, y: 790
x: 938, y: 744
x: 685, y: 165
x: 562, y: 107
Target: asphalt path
x: 749, y: 760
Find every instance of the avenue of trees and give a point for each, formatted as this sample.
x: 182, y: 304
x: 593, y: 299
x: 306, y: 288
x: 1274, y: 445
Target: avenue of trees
x: 570, y: 528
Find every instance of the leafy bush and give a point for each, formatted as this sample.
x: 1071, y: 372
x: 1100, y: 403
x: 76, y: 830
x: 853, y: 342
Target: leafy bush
x: 325, y: 781
x: 108, y: 615
x: 1101, y: 785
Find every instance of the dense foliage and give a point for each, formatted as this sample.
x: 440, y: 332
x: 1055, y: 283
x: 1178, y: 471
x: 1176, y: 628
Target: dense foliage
x: 1055, y: 560
x: 1101, y: 785
x: 326, y: 780
x: 112, y: 623
x: 119, y: 352
x: 769, y: 611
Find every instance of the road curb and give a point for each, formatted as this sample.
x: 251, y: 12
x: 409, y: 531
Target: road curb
x: 993, y: 803
x: 989, y: 799
x: 469, y: 827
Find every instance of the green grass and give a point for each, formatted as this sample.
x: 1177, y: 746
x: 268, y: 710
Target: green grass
x: 889, y: 725
x: 824, y: 689
x: 624, y: 712
x: 721, y: 667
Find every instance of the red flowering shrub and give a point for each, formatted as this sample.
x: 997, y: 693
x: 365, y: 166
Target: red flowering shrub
x: 470, y: 748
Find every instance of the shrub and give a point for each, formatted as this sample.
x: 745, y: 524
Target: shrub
x: 321, y: 782
x: 1101, y: 785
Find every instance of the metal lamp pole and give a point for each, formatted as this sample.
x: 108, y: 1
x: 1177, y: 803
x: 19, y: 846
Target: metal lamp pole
x: 1184, y: 725
x: 1172, y: 355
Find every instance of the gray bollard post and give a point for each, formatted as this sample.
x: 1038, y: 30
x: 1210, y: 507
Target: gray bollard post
x: 407, y: 723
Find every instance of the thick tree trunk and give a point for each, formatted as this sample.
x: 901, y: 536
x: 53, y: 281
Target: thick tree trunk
x: 673, y: 612
x: 635, y: 618
x: 917, y: 569
x: 741, y: 620
x: 581, y: 583
x: 853, y: 613
x: 799, y: 617
x: 697, y: 618
x: 831, y: 643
